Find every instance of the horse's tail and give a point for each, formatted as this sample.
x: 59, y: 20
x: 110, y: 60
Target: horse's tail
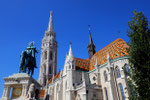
x: 22, y: 60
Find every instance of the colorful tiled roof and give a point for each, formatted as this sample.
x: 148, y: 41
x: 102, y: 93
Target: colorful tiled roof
x: 56, y: 77
x: 42, y: 93
x: 117, y: 48
x: 82, y: 64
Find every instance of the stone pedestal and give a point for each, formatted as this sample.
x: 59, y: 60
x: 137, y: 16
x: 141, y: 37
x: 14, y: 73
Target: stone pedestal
x: 16, y: 87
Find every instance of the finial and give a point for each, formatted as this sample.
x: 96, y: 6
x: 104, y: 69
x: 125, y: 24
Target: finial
x: 51, y: 12
x: 50, y: 26
x: 70, y: 51
x: 119, y: 33
x: 89, y: 28
x: 70, y: 43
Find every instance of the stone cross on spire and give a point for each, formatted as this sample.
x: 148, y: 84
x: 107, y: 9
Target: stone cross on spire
x: 50, y: 26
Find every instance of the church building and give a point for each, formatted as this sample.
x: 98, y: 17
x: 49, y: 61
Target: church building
x: 100, y: 77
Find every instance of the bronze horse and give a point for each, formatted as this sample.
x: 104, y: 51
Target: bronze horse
x: 28, y: 60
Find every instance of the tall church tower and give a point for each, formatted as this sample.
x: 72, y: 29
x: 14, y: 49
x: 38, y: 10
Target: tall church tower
x: 48, y: 66
x: 91, y: 46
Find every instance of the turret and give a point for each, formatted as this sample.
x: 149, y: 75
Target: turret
x: 91, y: 46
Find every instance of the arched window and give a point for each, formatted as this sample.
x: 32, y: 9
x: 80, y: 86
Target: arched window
x: 106, y: 93
x: 51, y: 55
x: 45, y: 55
x: 50, y: 69
x: 122, y: 91
x: 66, y: 85
x: 126, y: 70
x: 105, y: 76
x: 117, y: 72
x: 44, y: 69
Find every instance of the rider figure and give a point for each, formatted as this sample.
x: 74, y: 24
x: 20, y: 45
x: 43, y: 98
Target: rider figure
x: 28, y: 59
x: 31, y: 49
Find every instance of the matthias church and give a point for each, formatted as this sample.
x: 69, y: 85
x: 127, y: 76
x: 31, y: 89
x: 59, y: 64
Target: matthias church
x: 99, y: 77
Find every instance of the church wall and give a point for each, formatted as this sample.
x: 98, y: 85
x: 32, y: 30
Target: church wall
x: 78, y: 77
x: 110, y: 83
x: 122, y: 80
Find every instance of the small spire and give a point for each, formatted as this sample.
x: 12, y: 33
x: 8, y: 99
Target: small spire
x: 89, y: 28
x: 108, y: 55
x: 96, y: 63
x: 50, y: 26
x: 90, y: 37
x: 91, y: 46
x: 70, y: 52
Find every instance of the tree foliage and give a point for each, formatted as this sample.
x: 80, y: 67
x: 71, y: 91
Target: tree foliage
x: 139, y: 51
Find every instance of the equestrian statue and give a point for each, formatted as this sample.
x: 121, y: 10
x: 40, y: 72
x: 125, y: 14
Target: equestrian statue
x: 28, y: 59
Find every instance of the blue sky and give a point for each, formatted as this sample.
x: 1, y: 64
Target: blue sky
x: 22, y: 21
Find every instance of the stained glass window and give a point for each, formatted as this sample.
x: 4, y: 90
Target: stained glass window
x: 122, y: 92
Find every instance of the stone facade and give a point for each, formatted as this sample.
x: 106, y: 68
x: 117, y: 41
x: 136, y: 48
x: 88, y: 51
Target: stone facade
x: 100, y: 77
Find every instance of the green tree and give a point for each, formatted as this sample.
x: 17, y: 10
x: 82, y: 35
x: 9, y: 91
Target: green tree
x: 139, y: 51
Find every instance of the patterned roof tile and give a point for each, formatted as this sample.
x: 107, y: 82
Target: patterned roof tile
x: 82, y: 64
x: 117, y: 48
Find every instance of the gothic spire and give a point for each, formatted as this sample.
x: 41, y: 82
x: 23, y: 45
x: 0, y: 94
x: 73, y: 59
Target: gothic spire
x: 91, y: 46
x: 90, y: 37
x: 70, y: 52
x: 50, y: 26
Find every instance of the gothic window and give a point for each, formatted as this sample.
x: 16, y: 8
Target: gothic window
x: 118, y: 72
x: 50, y: 69
x: 105, y: 76
x: 69, y: 66
x: 126, y: 70
x: 122, y: 91
x: 106, y: 93
x: 51, y: 55
x: 45, y: 55
x: 66, y: 85
x: 44, y: 68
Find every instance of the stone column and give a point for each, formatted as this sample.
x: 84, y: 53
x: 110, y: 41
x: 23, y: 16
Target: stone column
x: 24, y: 90
x: 6, y: 92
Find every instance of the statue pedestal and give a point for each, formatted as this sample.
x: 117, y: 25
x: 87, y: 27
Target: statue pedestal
x: 16, y: 87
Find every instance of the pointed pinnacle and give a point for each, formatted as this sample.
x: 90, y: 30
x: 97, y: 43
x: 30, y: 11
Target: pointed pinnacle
x: 108, y: 55
x: 70, y: 52
x: 50, y: 26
